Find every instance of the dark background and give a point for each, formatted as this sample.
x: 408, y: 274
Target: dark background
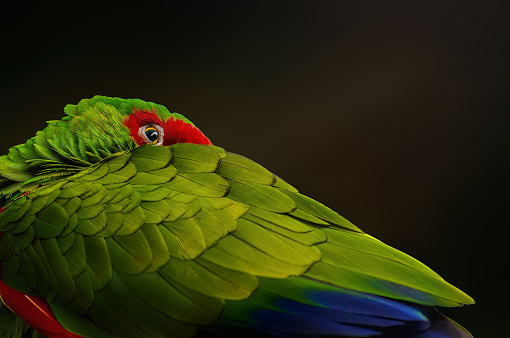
x: 395, y: 114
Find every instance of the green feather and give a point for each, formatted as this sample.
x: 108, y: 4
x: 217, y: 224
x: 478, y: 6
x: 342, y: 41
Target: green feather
x: 210, y: 279
x: 129, y: 254
x: 98, y: 265
x: 192, y: 158
x: 318, y: 210
x: 240, y: 168
x: 150, y: 157
x: 204, y: 184
x: 261, y: 196
x: 52, y: 252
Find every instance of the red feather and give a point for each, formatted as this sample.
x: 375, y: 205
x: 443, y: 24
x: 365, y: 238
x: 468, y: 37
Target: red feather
x: 176, y: 130
x: 33, y: 310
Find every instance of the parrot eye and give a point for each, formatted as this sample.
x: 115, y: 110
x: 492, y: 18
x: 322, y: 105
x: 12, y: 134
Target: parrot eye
x: 152, y: 133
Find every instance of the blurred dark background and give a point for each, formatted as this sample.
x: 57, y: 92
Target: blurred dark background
x: 393, y: 113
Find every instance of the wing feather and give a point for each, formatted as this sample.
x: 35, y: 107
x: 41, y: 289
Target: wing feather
x: 161, y: 240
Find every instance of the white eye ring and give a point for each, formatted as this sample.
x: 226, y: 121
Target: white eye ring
x: 158, y: 130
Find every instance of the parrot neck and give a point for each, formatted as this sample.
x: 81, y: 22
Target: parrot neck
x: 177, y: 129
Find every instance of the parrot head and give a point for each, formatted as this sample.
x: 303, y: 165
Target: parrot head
x: 92, y: 130
x: 115, y: 124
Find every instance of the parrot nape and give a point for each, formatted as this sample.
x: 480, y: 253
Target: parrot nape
x: 123, y: 220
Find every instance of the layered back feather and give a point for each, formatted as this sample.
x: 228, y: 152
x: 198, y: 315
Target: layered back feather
x: 125, y: 240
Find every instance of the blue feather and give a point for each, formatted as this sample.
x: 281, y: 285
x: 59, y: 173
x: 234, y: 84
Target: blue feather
x: 291, y: 325
x: 299, y: 307
x: 370, y: 305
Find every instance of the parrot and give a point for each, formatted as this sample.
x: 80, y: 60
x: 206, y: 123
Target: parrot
x: 122, y: 219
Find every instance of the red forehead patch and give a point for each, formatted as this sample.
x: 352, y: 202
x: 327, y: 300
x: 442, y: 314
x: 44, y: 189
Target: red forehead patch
x: 176, y: 130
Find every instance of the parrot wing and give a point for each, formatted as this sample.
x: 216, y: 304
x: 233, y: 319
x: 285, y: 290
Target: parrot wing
x: 166, y: 239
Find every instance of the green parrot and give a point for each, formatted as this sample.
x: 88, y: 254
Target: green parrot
x: 123, y: 220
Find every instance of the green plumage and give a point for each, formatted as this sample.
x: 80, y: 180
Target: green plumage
x: 161, y: 240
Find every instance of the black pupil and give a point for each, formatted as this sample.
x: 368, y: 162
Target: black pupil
x: 151, y: 134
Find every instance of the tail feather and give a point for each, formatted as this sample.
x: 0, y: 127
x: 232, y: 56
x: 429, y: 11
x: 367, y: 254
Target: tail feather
x: 440, y: 327
x: 308, y: 308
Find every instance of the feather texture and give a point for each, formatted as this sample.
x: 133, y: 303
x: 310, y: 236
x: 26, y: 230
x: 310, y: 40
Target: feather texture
x: 183, y: 239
